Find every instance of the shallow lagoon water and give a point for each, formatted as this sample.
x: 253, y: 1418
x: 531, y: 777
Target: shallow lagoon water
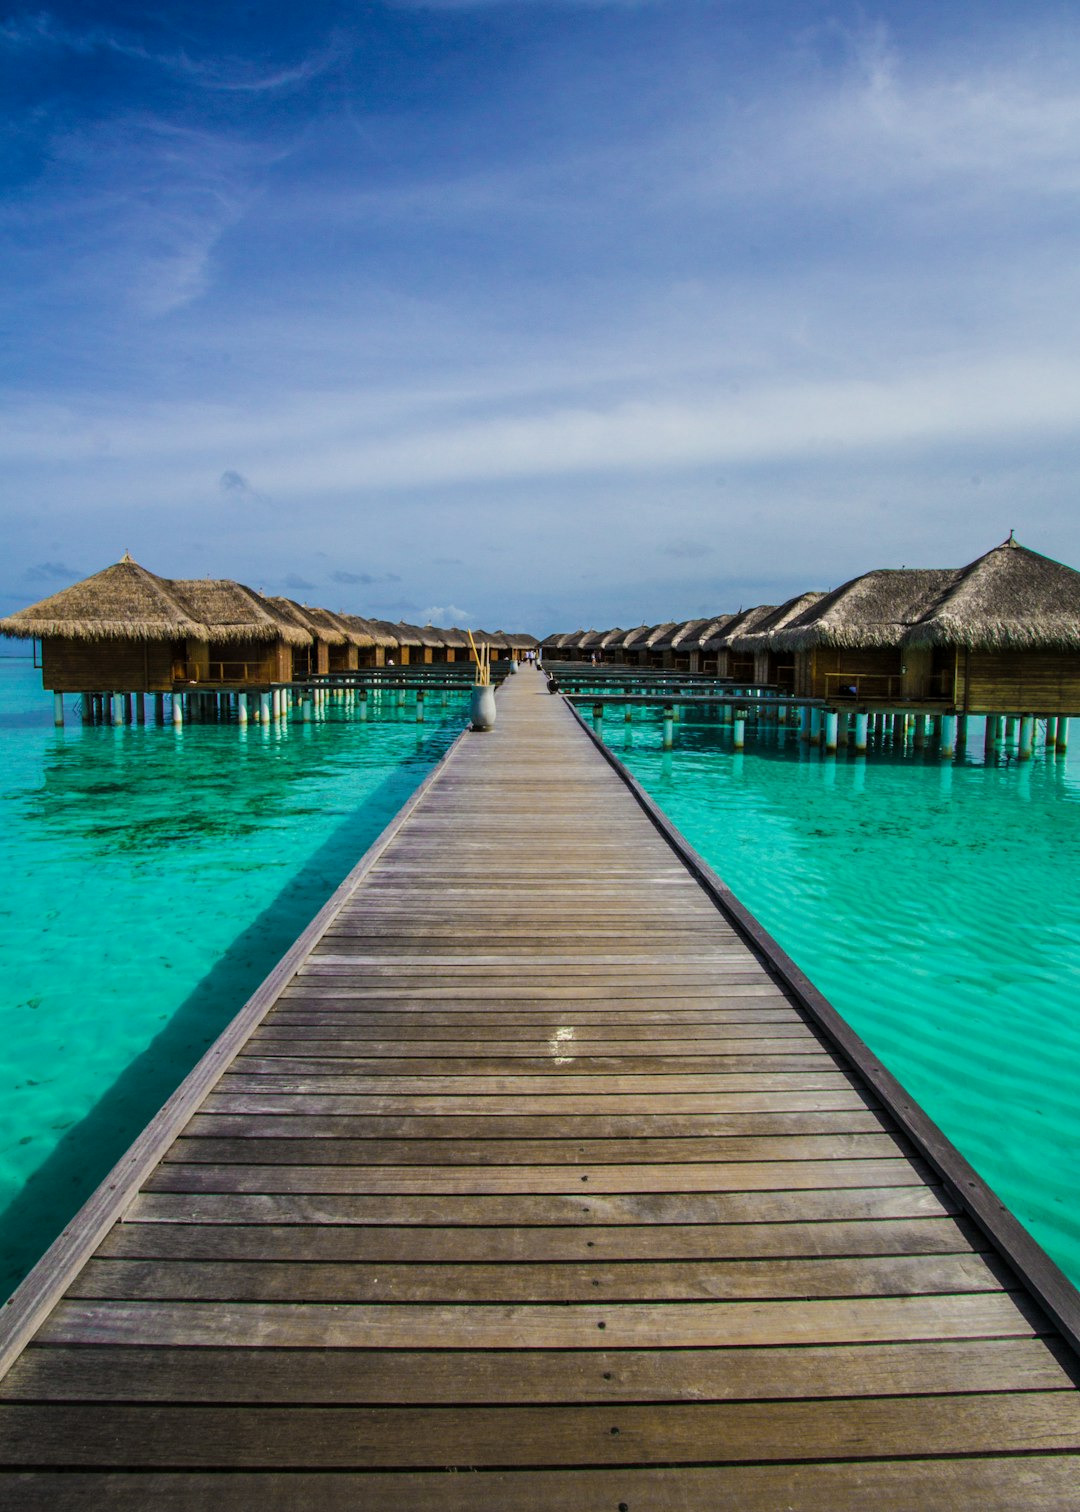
x: 151, y: 879
x: 936, y: 906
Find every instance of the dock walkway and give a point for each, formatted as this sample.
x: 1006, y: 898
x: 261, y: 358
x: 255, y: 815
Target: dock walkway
x: 524, y: 1184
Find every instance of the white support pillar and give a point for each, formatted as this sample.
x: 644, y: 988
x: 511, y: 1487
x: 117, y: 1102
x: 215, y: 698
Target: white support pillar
x: 669, y: 728
x: 117, y: 708
x: 1027, y: 737
x: 815, y: 727
x: 861, y: 722
x: 363, y: 703
x: 177, y: 711
x: 947, y: 745
x: 1051, y: 732
x: 739, y: 731
x: 1061, y: 745
x: 58, y: 710
x: 831, y: 723
x: 242, y: 708
x: 305, y: 709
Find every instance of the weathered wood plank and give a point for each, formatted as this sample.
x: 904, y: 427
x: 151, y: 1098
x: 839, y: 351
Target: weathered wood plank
x: 661, y: 1241
x: 572, y: 1325
x: 339, y: 1377
x: 328, y: 1438
x: 1034, y: 1482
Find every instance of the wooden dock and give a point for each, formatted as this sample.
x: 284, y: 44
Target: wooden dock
x: 535, y: 1178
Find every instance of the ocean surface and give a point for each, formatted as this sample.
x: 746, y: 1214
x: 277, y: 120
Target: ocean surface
x: 150, y: 881
x: 936, y: 905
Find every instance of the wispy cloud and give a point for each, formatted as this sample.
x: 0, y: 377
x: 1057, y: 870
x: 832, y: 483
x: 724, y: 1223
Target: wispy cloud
x: 52, y: 572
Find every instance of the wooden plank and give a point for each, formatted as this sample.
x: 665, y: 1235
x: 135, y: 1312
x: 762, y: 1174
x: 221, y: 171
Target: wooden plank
x: 389, y: 1377
x: 486, y: 1180
x: 572, y: 1325
x: 1035, y: 1482
x: 830, y: 1204
x: 417, y: 1245
x: 297, y: 1150
x: 329, y: 1438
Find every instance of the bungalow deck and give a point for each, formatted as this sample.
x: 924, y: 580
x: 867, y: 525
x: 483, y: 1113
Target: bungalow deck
x: 470, y: 1209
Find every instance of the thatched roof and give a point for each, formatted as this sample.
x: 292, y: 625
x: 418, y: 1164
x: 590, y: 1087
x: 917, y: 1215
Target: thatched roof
x: 493, y: 638
x: 365, y: 632
x: 455, y: 638
x: 518, y: 640
x: 657, y: 636
x: 233, y: 612
x: 760, y: 632
x: 591, y: 640
x: 873, y: 611
x: 635, y: 637
x: 737, y: 624
x: 1010, y: 599
x: 315, y: 621
x: 123, y: 602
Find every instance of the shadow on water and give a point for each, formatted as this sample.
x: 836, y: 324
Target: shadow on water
x: 88, y: 1150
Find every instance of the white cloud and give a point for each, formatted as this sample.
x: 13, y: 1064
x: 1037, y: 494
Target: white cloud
x: 446, y: 615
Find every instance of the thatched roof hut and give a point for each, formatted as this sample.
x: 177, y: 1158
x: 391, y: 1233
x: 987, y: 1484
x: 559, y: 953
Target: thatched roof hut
x: 233, y: 612
x: 1011, y: 599
x: 874, y: 611
x: 737, y: 624
x: 755, y: 631
x: 366, y: 633
x: 122, y: 602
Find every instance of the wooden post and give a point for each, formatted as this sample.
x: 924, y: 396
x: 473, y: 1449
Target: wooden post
x: 419, y: 705
x: 961, y: 732
x: 58, y: 710
x: 804, y: 724
x: 88, y: 708
x: 1027, y: 737
x: 815, y: 727
x: 920, y: 732
x: 598, y: 717
x: 861, y: 721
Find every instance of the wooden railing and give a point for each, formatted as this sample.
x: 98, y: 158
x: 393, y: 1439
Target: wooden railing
x: 216, y: 672
x: 859, y: 685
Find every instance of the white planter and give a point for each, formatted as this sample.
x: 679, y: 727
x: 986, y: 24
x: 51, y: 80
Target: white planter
x: 482, y: 707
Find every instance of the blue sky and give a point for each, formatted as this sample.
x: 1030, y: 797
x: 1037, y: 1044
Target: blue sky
x: 537, y: 313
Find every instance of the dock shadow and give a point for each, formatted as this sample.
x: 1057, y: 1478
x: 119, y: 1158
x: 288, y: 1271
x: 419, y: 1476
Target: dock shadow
x: 93, y: 1145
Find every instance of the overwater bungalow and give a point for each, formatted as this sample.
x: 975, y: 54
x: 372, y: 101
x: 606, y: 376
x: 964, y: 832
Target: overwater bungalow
x: 773, y: 667
x: 328, y: 645
x: 122, y: 628
x: 250, y: 641
x: 732, y: 663
x: 520, y: 645
x: 651, y: 648
x: 629, y: 648
x: 125, y: 629
x: 848, y: 644
x: 371, y: 641
x: 1003, y: 636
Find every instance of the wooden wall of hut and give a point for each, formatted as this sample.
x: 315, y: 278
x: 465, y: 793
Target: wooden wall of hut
x: 235, y: 663
x: 88, y: 666
x: 1018, y: 682
x: 775, y: 669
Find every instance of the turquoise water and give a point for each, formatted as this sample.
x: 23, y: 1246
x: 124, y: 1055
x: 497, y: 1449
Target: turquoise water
x: 936, y: 906
x: 150, y: 882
